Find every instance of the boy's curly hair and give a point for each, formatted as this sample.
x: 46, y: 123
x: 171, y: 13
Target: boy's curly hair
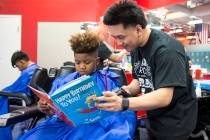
x: 86, y: 42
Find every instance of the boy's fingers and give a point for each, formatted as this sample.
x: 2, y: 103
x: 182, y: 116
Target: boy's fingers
x: 105, y: 105
x: 42, y: 101
x: 107, y: 96
x: 104, y: 98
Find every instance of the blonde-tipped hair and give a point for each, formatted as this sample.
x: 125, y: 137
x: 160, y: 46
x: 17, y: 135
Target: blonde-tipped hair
x: 86, y: 42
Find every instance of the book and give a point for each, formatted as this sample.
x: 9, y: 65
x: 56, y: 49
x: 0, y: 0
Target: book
x: 74, y: 101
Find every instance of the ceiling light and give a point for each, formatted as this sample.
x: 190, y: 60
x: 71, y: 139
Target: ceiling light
x: 194, y: 17
x: 198, y: 21
x: 157, y: 27
x: 175, y: 31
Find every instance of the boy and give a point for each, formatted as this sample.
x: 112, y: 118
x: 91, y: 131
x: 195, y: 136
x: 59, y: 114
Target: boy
x: 20, y: 60
x: 117, y: 126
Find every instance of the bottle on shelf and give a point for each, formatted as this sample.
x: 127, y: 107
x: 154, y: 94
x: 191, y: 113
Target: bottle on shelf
x: 198, y: 90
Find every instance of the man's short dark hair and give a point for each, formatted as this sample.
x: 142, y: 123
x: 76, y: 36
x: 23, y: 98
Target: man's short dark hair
x: 125, y: 12
x: 17, y: 56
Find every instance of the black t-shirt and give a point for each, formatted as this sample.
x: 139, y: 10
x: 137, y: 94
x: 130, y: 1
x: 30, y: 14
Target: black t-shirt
x: 162, y: 63
x: 104, y: 53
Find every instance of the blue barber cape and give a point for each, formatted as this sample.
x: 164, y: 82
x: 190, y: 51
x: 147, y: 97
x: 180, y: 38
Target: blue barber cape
x: 19, y: 86
x: 120, y: 125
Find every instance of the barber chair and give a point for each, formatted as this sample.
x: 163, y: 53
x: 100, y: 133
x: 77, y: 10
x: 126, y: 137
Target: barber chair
x: 69, y: 63
x: 65, y: 70
x: 122, y: 79
x: 202, y: 130
x: 52, y: 73
x: 17, y: 100
x: 40, y: 78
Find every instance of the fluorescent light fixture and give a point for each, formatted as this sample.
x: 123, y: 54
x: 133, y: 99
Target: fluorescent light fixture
x: 198, y: 21
x: 191, y: 37
x: 193, y: 17
x: 157, y: 27
x: 178, y: 30
x: 175, y: 31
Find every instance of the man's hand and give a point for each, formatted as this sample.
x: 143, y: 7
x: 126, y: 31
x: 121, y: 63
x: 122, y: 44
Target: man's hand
x: 109, y: 102
x: 133, y: 88
x: 45, y: 107
x: 126, y: 89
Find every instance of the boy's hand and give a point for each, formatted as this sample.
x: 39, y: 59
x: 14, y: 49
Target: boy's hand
x: 45, y: 107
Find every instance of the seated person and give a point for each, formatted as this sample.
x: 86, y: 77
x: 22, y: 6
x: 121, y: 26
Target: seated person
x: 120, y: 125
x: 22, y: 62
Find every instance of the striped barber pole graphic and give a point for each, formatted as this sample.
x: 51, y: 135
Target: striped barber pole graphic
x: 202, y: 31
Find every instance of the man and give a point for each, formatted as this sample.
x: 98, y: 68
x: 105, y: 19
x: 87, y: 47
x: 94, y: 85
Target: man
x: 160, y: 70
x: 189, y: 61
x: 22, y: 62
x: 105, y: 53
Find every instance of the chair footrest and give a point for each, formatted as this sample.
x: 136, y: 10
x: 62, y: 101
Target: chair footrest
x: 19, y: 116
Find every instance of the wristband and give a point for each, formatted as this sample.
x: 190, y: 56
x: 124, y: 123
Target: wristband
x: 125, y: 104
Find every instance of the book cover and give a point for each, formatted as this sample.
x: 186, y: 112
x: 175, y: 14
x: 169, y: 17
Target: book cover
x: 42, y: 95
x: 75, y: 101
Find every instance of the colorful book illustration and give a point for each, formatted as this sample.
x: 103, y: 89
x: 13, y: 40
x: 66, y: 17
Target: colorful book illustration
x: 74, y: 102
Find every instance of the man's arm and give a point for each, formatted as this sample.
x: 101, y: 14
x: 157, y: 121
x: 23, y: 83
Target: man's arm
x: 117, y: 57
x: 153, y: 100
x: 156, y: 99
x: 133, y: 88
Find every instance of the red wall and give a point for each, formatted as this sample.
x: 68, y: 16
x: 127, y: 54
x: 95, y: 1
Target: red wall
x: 33, y: 11
x: 151, y: 4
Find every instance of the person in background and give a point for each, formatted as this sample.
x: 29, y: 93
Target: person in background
x: 20, y: 60
x: 160, y: 69
x: 189, y: 61
x: 116, y: 126
x: 104, y: 52
x: 188, y: 58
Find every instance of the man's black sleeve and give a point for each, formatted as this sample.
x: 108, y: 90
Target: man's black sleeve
x: 170, y: 69
x: 104, y: 52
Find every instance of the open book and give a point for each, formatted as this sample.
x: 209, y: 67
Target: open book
x: 73, y: 102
